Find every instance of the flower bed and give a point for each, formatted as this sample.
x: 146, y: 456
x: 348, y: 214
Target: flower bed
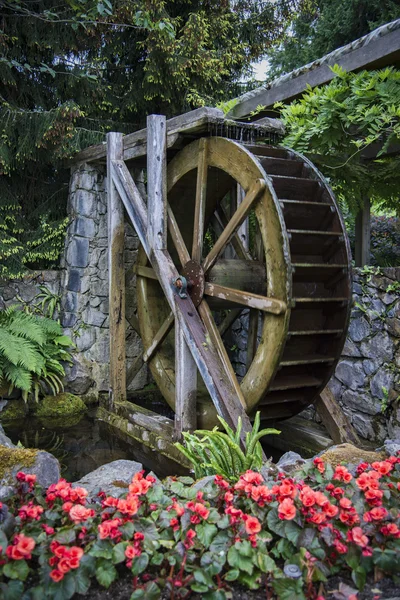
x: 287, y: 535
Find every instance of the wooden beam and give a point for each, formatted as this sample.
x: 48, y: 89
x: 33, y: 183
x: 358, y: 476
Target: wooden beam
x: 363, y: 235
x: 334, y: 419
x: 159, y: 337
x: 134, y: 369
x: 116, y: 276
x: 200, y: 205
x: 270, y: 305
x: 156, y: 182
x: 185, y: 386
x: 177, y: 238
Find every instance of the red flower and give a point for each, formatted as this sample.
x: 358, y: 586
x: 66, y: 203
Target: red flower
x: 307, y: 496
x: 390, y: 529
x: 376, y: 514
x: 319, y: 464
x: 188, y: 543
x: 56, y: 575
x: 357, y: 536
x: 221, y: 483
x: 345, y: 503
x: 22, y: 547
x: 342, y: 474
x: 131, y: 552
x: 252, y: 524
x: 261, y: 494
x: 130, y: 506
x: 384, y: 467
x: 79, y: 513
x: 331, y: 510
x: 174, y: 523
x: 287, y: 509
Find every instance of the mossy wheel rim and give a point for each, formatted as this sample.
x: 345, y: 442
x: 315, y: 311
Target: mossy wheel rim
x: 228, y: 163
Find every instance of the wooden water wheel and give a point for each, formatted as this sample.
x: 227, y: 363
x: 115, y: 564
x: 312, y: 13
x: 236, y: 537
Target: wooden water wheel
x: 292, y: 279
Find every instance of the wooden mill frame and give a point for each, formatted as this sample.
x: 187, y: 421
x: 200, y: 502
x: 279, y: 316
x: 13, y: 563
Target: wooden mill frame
x: 152, y: 221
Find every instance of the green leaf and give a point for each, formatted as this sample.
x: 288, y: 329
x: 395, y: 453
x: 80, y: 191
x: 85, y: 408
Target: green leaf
x: 232, y: 575
x: 152, y: 591
x: 101, y: 549
x: 265, y: 563
x: 220, y: 542
x: 106, y: 573
x: 118, y: 553
x: 387, y: 560
x: 15, y: 590
x: 140, y: 563
x: 82, y: 581
x: 66, y: 535
x: 205, y: 533
x: 16, y: 569
x: 289, y: 589
x: 359, y: 576
x: 137, y: 594
x: 239, y: 561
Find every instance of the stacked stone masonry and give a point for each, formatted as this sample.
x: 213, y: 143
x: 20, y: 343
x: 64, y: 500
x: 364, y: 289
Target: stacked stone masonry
x: 367, y: 378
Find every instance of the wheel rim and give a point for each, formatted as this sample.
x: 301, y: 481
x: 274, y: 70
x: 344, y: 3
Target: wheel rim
x: 198, y: 179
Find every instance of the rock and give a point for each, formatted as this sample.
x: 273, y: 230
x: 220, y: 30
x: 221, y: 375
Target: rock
x: 336, y: 387
x: 349, y: 454
x: 74, y: 281
x: 70, y: 302
x: 68, y: 320
x: 85, y: 204
x: 359, y: 329
x: 78, y: 252
x: 200, y: 484
x: 361, y: 402
x: 5, y: 440
x: 351, y: 374
x: 94, y: 317
x: 391, y: 447
x: 61, y: 406
x: 393, y: 326
x: 370, y: 366
x: 350, y: 349
x: 43, y: 464
x: 363, y: 425
x: 28, y: 291
x: 380, y: 347
x: 113, y: 478
x: 83, y: 227
x: 79, y: 377
x: 86, y: 339
x: 389, y: 298
x: 290, y: 461
x: 382, y: 379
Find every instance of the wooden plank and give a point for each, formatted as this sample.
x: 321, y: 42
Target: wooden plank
x: 159, y: 337
x: 200, y: 206
x: 133, y: 322
x: 229, y: 319
x: 132, y: 200
x: 363, y: 235
x: 177, y: 238
x: 116, y: 276
x: 243, y: 230
x: 156, y: 182
x: 134, y: 369
x: 252, y: 336
x: 252, y: 195
x: 334, y: 419
x: 143, y: 271
x: 185, y: 386
x: 270, y: 305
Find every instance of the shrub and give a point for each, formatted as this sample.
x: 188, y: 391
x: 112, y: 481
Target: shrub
x: 31, y: 351
x: 287, y: 535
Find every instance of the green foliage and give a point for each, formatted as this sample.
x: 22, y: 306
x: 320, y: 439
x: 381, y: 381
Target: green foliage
x: 217, y: 453
x: 325, y: 25
x: 32, y: 349
x: 337, y: 123
x: 73, y: 71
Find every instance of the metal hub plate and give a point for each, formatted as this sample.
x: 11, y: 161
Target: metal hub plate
x: 195, y: 278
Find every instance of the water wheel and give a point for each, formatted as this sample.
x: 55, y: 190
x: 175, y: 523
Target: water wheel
x: 292, y: 278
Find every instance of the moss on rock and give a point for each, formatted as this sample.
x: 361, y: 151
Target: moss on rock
x: 11, y: 457
x: 349, y: 454
x: 15, y: 409
x: 60, y: 406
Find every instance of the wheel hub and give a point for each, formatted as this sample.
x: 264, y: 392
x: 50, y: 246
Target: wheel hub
x: 194, y: 274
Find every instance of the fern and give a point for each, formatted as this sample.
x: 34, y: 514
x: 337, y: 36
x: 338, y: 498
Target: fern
x: 219, y: 453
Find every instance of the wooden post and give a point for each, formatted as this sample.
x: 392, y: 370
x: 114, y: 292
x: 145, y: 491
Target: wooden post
x: 185, y: 385
x: 157, y: 182
x: 116, y: 276
x: 363, y: 235
x: 243, y: 230
x: 334, y: 419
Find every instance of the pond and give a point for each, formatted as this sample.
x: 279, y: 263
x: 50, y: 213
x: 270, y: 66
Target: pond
x: 85, y: 446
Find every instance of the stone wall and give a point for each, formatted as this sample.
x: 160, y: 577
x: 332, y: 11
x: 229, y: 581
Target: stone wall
x: 367, y: 377
x: 85, y: 284
x: 25, y: 291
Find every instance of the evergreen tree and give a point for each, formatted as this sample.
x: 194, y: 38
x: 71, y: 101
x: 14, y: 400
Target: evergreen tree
x: 325, y: 26
x: 72, y: 71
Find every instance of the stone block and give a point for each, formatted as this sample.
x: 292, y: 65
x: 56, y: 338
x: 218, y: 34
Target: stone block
x: 389, y: 298
x: 74, y: 280
x: 94, y: 317
x: 28, y: 291
x: 79, y: 377
x: 8, y: 292
x: 363, y: 426
x: 85, y: 339
x: 380, y: 346
x: 351, y: 374
x: 85, y: 204
x: 357, y: 289
x: 99, y: 288
x: 68, y: 320
x: 382, y: 379
x: 370, y: 366
x: 361, y: 402
x: 336, y: 387
x: 95, y: 301
x: 359, y: 329
x: 393, y: 326
x: 70, y: 302
x: 350, y: 349
x: 83, y: 227
x: 78, y: 252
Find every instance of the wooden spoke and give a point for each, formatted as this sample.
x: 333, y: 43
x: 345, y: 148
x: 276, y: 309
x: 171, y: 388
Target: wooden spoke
x: 270, y: 305
x: 145, y: 272
x: 252, y: 336
x: 200, y: 207
x: 177, y: 238
x: 210, y: 325
x: 236, y: 242
x: 237, y: 219
x: 229, y: 320
x: 159, y: 337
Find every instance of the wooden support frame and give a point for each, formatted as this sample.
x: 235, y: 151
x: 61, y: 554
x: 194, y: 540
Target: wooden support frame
x: 334, y: 419
x: 116, y: 241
